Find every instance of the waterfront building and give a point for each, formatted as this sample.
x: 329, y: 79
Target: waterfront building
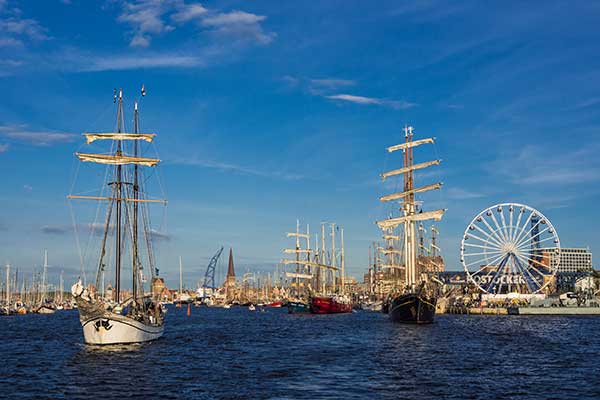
x: 571, y: 260
x: 157, y: 286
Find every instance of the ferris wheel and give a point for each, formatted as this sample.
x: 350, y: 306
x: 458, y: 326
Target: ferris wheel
x: 510, y: 247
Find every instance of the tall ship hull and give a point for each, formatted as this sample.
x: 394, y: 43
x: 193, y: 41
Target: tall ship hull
x: 109, y: 328
x: 329, y: 305
x: 412, y: 308
x: 101, y: 327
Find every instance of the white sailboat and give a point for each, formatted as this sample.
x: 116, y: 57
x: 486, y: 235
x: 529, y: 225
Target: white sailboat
x: 43, y: 306
x: 137, y: 318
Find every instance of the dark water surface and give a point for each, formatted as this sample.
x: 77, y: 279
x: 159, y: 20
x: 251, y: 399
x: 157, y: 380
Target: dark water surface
x: 236, y: 353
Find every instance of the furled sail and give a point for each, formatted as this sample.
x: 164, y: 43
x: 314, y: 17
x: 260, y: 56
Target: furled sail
x: 391, y: 237
x: 392, y: 266
x: 399, y: 195
x: 295, y: 234
x: 293, y: 251
x: 309, y: 263
x: 117, y: 160
x: 404, y: 146
x: 411, y: 168
x: 392, y: 251
x: 297, y: 275
x: 394, y: 222
x: 92, y: 137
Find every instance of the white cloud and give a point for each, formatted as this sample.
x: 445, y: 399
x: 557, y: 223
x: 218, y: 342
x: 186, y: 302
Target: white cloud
x: 128, y: 62
x: 396, y: 104
x: 145, y: 17
x: 21, y: 133
x: 14, y: 30
x: 240, y: 25
x: 29, y: 28
x: 232, y: 18
x: 148, y: 18
x: 355, y: 99
x: 4, y: 148
x: 188, y: 12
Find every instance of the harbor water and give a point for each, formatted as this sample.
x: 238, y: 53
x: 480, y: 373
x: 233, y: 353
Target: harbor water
x: 236, y: 353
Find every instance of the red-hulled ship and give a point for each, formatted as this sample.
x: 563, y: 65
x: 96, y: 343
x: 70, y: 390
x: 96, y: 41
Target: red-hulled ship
x: 330, y: 305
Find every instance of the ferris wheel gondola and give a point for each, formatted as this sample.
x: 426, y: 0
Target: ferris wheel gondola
x: 510, y: 247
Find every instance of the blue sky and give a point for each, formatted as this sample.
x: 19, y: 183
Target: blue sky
x: 271, y: 111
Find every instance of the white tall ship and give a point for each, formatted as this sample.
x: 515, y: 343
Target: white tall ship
x: 123, y: 317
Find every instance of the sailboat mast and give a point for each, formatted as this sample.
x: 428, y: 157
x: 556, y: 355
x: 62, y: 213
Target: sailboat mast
x: 61, y: 286
x: 323, y: 271
x: 45, y: 273
x: 118, y: 200
x: 333, y: 254
x: 135, y: 206
x: 180, y: 278
x: 343, y: 262
x: 297, y: 258
x: 7, y: 284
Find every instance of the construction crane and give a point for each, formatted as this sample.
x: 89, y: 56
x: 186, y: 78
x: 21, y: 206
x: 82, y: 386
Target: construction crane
x: 209, y: 276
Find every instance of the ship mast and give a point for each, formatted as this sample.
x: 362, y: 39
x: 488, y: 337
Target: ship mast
x: 409, y: 209
x: 119, y: 171
x: 135, y: 261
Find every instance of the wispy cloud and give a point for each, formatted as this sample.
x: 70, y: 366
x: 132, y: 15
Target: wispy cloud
x: 532, y: 166
x: 585, y: 104
x: 56, y: 229
x: 396, y: 104
x: 243, y: 170
x: 83, y: 63
x: 149, y: 18
x: 95, y: 229
x: 21, y: 133
x: 25, y: 28
x: 188, y: 12
x: 15, y: 30
x: 239, y: 25
x: 145, y: 18
x: 457, y: 193
x: 4, y: 148
x: 317, y: 86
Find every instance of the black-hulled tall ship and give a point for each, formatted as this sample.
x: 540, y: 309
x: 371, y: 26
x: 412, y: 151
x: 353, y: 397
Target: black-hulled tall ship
x: 123, y: 317
x: 414, y: 297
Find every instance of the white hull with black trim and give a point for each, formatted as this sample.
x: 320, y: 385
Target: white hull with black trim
x: 118, y: 329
